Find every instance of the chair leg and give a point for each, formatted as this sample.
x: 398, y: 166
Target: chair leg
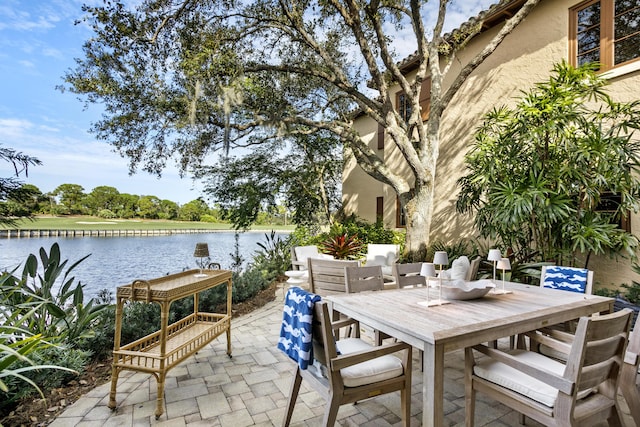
x: 405, y: 405
x: 293, y: 395
x: 469, y: 392
x: 331, y: 412
x: 630, y: 390
x: 615, y: 420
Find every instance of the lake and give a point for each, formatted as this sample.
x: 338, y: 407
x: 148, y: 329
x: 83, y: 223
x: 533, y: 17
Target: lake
x: 117, y: 261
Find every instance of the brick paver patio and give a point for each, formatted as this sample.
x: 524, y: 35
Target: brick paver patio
x: 251, y: 389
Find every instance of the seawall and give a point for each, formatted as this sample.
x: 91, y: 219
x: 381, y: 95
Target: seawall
x: 23, y: 234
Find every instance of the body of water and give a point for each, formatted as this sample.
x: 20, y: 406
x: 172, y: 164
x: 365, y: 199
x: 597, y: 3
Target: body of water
x: 117, y: 261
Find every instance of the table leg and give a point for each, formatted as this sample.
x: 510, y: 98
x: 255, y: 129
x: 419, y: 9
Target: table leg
x: 160, y: 399
x: 433, y: 386
x: 112, y: 393
x: 116, y: 346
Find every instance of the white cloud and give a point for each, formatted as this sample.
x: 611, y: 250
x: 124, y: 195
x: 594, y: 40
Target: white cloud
x: 80, y: 159
x: 13, y: 128
x: 26, y: 64
x: 12, y: 17
x: 52, y: 53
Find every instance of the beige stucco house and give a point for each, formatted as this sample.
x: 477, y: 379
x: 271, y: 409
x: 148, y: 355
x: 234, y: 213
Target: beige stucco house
x: 547, y: 36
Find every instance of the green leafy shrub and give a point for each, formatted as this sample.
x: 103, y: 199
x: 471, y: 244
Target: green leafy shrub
x: 101, y: 342
x: 367, y: 232
x: 247, y: 284
x: 17, y: 344
x: 107, y: 214
x: 454, y: 250
x: 139, y: 319
x: 63, y: 315
x: 209, y: 218
x: 73, y: 360
x: 273, y: 258
x: 539, y: 170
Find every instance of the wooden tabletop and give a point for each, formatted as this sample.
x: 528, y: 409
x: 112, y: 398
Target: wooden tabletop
x: 463, y: 323
x: 459, y: 324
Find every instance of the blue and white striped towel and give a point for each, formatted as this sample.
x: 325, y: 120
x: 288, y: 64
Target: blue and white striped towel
x: 295, y: 334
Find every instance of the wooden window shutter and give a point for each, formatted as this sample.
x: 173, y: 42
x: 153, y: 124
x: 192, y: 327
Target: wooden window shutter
x: 379, y: 208
x: 380, y: 137
x: 425, y: 99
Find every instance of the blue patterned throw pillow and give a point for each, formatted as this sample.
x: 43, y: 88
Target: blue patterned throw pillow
x: 566, y: 278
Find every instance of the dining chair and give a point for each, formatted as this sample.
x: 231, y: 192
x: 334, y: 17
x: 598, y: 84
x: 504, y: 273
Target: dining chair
x: 562, y: 278
x: 366, y: 278
x: 361, y: 279
x: 629, y: 374
x: 384, y: 255
x: 351, y: 369
x: 566, y: 278
x: 474, y: 266
x: 326, y: 277
x: 580, y: 392
x: 300, y: 254
x: 408, y: 275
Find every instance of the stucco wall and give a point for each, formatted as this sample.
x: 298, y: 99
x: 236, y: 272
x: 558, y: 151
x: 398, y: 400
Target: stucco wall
x: 526, y: 57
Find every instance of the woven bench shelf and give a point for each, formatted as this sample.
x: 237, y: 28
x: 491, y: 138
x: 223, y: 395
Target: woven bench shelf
x: 162, y: 350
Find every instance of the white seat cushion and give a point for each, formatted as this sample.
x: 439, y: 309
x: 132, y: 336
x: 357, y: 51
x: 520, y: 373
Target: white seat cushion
x: 371, y: 371
x: 380, y: 260
x: 387, y: 270
x: 511, y: 378
x: 304, y: 252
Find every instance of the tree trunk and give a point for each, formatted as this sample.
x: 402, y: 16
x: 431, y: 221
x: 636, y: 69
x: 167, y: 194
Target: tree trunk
x: 419, y: 210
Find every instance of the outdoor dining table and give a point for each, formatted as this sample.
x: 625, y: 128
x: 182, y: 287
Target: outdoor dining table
x: 462, y: 323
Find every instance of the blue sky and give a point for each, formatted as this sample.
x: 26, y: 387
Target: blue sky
x: 38, y: 43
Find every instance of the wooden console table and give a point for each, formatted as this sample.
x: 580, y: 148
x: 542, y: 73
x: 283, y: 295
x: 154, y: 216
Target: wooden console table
x: 162, y: 350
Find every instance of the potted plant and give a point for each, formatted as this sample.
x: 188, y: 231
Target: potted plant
x: 342, y: 247
x: 630, y: 296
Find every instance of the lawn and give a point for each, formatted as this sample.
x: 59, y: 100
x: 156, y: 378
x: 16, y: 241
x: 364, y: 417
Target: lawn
x: 94, y: 223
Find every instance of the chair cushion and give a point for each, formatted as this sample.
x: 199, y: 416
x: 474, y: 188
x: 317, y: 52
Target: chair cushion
x: 508, y: 377
x: 377, y: 260
x: 381, y: 254
x: 371, y: 371
x: 387, y: 270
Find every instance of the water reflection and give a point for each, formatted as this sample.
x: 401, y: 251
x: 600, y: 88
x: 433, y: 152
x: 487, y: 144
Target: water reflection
x: 117, y: 261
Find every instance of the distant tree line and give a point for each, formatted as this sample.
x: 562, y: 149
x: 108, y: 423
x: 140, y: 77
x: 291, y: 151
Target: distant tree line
x: 107, y: 202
